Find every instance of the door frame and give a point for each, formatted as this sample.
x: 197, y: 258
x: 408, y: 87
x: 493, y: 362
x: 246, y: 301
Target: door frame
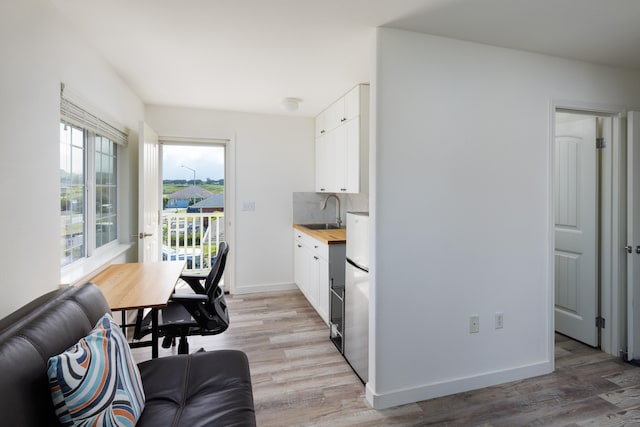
x: 148, y: 138
x: 229, y: 193
x: 612, y: 223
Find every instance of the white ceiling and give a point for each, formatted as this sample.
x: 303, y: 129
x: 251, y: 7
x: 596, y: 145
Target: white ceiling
x: 247, y: 55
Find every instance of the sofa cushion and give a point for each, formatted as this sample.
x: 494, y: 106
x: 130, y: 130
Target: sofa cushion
x: 199, y: 389
x: 44, y: 327
x: 96, y: 382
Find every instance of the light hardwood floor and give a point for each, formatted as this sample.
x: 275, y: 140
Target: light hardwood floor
x: 299, y: 379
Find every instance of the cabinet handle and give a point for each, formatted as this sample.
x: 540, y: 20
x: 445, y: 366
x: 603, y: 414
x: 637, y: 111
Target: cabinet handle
x: 299, y: 246
x: 344, y: 119
x: 315, y: 246
x: 343, y: 189
x: 322, y: 189
x: 322, y: 131
x: 316, y: 258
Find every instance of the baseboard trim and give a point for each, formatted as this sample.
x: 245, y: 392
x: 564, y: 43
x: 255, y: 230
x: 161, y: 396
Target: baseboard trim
x: 266, y: 287
x: 439, y: 389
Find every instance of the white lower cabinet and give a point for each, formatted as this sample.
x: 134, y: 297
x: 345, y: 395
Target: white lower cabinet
x: 315, y: 265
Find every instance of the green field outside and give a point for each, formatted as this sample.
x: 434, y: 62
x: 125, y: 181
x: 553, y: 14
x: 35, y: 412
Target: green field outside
x: 172, y: 188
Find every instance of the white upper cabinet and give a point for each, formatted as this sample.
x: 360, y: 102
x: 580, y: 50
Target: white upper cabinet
x: 325, y: 152
x: 352, y: 101
x: 321, y: 121
x: 342, y: 144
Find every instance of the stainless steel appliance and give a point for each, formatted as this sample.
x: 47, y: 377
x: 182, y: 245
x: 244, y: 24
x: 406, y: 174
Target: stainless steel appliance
x: 356, y: 294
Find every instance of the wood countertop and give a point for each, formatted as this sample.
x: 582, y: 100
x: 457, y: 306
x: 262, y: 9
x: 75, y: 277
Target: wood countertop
x: 330, y: 237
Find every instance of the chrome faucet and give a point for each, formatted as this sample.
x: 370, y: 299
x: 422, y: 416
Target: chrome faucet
x: 324, y: 206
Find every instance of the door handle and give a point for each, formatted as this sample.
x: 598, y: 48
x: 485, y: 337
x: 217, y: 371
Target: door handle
x: 142, y: 235
x: 629, y: 249
x: 638, y: 249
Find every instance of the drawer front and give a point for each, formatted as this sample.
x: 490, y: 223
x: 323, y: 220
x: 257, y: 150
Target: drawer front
x: 298, y: 236
x: 319, y: 248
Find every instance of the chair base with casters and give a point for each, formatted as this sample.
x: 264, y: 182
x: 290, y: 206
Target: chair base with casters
x: 184, y: 316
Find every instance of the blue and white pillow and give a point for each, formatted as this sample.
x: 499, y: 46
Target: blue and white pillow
x: 96, y: 382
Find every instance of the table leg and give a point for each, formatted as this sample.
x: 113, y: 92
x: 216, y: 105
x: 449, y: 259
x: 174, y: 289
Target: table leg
x: 123, y: 326
x: 154, y: 333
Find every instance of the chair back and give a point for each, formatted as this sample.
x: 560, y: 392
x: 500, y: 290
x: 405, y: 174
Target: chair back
x: 213, y: 278
x: 213, y: 316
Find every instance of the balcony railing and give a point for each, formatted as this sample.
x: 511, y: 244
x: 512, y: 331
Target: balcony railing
x: 193, y: 237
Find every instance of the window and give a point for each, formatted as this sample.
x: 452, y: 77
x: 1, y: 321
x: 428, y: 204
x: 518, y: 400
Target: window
x: 106, y: 191
x: 72, y: 193
x: 88, y: 185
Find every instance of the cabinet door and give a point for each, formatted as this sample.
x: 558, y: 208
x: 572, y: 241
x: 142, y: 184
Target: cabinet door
x: 351, y: 177
x: 339, y: 164
x: 314, y: 279
x: 325, y: 163
x: 352, y: 103
x: 300, y: 266
x: 322, y: 162
x: 323, y: 289
x: 335, y: 115
x: 321, y: 124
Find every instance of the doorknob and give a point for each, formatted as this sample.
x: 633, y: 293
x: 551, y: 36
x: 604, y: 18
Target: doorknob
x: 638, y: 249
x: 142, y: 235
x: 629, y: 249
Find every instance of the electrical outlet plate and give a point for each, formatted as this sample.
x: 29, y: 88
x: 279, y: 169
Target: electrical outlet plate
x: 499, y: 320
x: 474, y: 324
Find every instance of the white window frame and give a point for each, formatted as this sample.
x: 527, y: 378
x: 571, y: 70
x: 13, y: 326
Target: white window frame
x: 76, y: 112
x: 90, y: 196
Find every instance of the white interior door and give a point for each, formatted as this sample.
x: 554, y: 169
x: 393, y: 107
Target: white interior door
x: 149, y: 200
x: 576, y: 236
x: 633, y: 235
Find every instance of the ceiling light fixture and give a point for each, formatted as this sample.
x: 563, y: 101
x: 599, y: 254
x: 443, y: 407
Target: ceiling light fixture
x: 291, y: 104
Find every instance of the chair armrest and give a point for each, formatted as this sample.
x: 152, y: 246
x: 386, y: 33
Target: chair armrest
x: 194, y: 281
x: 188, y: 297
x: 193, y: 276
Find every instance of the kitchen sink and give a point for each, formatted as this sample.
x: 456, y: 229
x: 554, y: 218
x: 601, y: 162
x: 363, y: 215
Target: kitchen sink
x: 325, y: 226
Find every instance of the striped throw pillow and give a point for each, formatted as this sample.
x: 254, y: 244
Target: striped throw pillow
x: 96, y: 382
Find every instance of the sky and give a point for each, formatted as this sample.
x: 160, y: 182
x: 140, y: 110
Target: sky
x: 208, y: 162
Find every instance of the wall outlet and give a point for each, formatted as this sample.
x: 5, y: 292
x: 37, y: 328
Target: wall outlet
x: 248, y: 206
x: 499, y: 320
x: 474, y: 324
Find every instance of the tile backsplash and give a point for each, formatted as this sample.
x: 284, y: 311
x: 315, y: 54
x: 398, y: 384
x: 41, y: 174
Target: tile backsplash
x: 306, y: 206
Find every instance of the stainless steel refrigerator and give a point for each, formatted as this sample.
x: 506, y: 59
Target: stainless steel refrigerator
x: 356, y: 298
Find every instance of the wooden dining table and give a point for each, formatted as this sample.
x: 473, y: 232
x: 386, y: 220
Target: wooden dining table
x: 135, y: 286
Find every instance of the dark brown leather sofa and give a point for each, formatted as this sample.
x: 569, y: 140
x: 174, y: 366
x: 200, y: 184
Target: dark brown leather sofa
x: 200, y: 389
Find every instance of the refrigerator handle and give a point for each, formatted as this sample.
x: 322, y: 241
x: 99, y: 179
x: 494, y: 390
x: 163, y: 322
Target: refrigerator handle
x: 357, y: 266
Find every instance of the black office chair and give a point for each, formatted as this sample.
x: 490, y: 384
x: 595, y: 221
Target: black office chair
x: 202, y: 313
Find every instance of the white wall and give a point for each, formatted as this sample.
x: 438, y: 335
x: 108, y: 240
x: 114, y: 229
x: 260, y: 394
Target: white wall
x: 39, y: 50
x: 274, y: 157
x: 462, y: 199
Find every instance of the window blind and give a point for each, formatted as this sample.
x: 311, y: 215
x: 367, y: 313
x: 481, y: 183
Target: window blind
x: 73, y: 113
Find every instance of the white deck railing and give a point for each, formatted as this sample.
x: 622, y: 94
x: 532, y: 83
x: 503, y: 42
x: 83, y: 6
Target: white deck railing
x: 193, y: 237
